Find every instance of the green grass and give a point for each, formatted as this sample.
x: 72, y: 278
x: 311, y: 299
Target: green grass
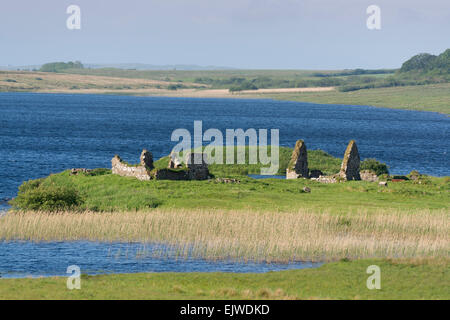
x: 317, y: 159
x: 341, y: 280
x: 111, y: 192
x: 192, y: 75
x: 434, y: 97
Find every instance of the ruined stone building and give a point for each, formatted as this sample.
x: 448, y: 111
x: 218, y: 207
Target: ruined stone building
x: 194, y: 168
x: 350, y: 167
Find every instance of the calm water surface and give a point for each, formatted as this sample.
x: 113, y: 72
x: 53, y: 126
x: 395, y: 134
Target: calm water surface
x: 27, y: 259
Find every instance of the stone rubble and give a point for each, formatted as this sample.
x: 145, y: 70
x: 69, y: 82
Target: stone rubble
x: 75, y: 172
x: 367, y: 175
x: 227, y: 180
x: 315, y: 174
x: 326, y: 179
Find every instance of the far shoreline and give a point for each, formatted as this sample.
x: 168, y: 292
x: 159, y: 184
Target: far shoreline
x: 315, y: 95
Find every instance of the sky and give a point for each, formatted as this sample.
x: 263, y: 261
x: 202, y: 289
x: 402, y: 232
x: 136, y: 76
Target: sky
x: 253, y: 34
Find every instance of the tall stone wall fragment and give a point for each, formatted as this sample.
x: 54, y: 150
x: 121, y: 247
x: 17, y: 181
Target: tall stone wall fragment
x: 351, y: 163
x: 298, y: 166
x: 147, y: 159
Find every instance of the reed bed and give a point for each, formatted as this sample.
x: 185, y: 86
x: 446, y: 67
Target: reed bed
x: 303, y: 235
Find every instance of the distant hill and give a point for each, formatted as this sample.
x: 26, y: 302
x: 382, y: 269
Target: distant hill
x: 61, y: 66
x: 426, y: 63
x: 422, y: 69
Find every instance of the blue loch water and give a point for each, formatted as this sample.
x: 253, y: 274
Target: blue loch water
x: 27, y: 259
x: 48, y: 133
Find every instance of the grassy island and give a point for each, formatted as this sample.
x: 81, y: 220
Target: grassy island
x: 403, y: 225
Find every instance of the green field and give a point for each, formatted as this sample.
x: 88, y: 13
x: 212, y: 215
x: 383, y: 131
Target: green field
x: 434, y: 97
x: 422, y: 83
x: 192, y: 75
x: 341, y: 280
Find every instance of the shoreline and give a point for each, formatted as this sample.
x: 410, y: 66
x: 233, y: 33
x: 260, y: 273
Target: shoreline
x: 419, y: 97
x: 181, y: 93
x: 279, y: 94
x: 329, y: 281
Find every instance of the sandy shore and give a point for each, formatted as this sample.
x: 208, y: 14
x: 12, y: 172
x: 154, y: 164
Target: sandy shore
x: 196, y: 93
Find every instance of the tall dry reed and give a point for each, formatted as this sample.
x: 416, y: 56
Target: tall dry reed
x: 248, y: 235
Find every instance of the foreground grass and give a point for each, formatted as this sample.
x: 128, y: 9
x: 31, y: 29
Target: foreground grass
x: 341, y: 280
x: 248, y: 235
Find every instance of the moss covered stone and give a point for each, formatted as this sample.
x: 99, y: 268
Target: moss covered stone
x: 351, y: 163
x: 298, y: 165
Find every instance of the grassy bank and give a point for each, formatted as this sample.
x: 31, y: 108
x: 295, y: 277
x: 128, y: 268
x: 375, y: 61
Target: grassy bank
x: 110, y: 192
x: 24, y: 81
x: 434, y: 97
x: 341, y: 280
x: 300, y: 235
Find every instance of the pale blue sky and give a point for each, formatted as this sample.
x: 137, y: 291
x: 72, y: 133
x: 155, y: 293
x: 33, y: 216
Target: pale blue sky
x: 287, y: 34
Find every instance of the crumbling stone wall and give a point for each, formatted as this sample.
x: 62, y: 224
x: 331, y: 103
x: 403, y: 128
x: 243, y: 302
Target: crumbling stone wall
x: 197, y: 166
x: 194, y: 170
x: 351, y: 163
x: 122, y: 169
x: 298, y: 166
x: 167, y: 174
